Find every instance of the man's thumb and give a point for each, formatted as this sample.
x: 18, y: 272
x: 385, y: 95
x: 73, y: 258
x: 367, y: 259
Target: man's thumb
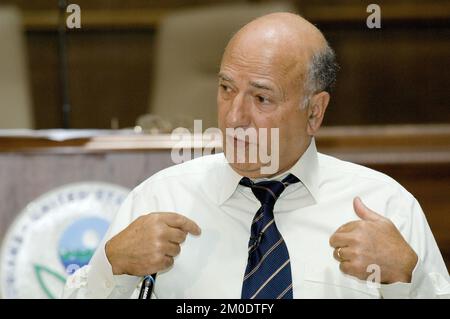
x: 363, y: 211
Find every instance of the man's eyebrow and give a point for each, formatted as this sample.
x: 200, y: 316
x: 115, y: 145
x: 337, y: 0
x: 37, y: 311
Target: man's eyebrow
x: 224, y: 77
x: 255, y: 84
x: 262, y: 86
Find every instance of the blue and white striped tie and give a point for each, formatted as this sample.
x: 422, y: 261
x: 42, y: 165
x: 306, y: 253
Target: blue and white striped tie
x: 268, y: 273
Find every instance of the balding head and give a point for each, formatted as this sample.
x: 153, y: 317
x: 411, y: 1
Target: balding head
x: 291, y: 42
x: 280, y: 31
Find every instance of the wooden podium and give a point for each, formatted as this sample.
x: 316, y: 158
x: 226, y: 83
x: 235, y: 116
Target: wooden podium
x: 416, y: 156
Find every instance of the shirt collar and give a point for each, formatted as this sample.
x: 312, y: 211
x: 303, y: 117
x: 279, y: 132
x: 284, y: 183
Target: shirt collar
x: 306, y: 169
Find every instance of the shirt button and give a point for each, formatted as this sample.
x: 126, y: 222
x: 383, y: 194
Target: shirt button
x: 108, y: 284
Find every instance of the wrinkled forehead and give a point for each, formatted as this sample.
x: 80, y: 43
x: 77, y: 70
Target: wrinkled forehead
x: 271, y: 57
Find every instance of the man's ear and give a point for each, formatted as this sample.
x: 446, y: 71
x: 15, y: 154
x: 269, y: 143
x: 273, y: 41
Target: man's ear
x: 316, y: 111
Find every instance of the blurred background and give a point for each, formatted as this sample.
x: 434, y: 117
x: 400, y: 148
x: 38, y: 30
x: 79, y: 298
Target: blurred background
x: 130, y: 58
x: 114, y: 88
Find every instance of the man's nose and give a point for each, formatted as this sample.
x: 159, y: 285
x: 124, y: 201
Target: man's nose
x: 238, y: 114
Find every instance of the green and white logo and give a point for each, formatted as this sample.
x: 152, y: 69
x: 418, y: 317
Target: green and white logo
x: 54, y: 236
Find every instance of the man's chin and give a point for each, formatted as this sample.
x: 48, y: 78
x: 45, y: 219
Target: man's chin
x: 247, y: 169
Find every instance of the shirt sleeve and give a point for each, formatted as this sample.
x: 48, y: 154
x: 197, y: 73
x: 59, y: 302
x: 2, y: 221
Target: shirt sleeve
x: 430, y: 277
x: 96, y: 280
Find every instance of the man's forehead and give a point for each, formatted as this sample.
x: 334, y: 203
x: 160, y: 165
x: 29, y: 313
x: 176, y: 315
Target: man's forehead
x: 260, y: 65
x: 263, y: 83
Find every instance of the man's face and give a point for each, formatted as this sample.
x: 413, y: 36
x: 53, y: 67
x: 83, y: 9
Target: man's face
x: 262, y: 89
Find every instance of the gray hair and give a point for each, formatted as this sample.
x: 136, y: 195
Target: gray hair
x: 321, y: 74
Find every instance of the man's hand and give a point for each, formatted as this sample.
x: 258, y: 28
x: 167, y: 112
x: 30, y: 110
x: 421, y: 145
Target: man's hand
x: 373, y: 240
x: 149, y: 244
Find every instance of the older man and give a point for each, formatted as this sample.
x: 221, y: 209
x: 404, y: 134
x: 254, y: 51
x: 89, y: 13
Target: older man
x: 216, y: 228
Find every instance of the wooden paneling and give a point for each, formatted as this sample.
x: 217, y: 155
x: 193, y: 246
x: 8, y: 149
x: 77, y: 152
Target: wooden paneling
x: 114, y: 4
x: 112, y: 73
x: 388, y: 76
x: 43, y: 64
x: 109, y: 77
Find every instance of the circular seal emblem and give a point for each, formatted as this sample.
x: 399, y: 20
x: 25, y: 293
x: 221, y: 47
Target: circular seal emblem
x: 54, y: 236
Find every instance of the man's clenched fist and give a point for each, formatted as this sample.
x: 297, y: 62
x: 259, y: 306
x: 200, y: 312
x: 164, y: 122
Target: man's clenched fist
x: 373, y: 240
x: 149, y: 244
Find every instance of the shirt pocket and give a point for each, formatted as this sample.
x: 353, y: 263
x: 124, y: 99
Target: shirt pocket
x: 332, y: 283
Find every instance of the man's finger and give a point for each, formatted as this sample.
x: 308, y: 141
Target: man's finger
x: 363, y: 211
x: 341, y: 240
x: 346, y: 267
x: 342, y: 254
x: 183, y: 223
x: 176, y: 235
x: 348, y: 227
x: 172, y: 249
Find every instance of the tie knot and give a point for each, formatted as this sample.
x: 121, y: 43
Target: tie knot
x: 267, y: 192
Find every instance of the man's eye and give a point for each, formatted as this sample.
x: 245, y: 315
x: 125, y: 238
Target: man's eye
x: 225, y: 88
x: 262, y: 99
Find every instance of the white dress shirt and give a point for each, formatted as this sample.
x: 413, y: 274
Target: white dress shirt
x: 212, y: 265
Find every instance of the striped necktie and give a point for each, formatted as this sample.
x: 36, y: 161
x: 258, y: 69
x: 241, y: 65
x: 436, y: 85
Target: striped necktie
x: 268, y: 273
